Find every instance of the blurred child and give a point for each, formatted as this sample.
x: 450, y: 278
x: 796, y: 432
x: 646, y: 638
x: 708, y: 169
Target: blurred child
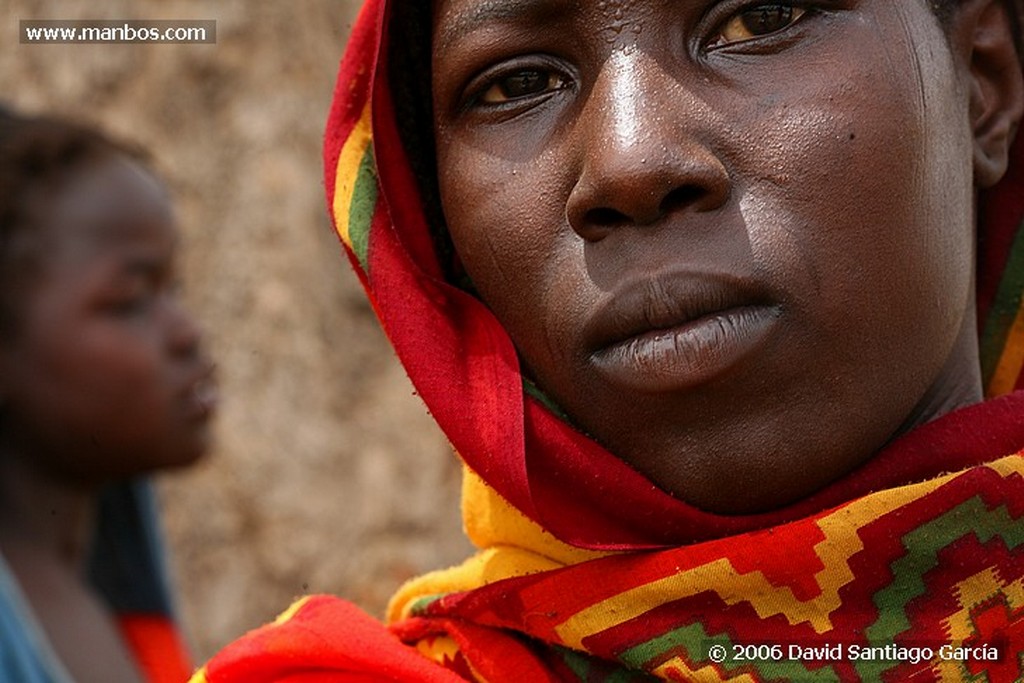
x: 102, y: 381
x: 695, y: 289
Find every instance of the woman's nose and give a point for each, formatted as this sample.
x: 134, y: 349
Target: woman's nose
x: 644, y: 153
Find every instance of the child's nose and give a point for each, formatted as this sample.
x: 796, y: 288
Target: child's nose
x: 184, y: 335
x: 643, y: 154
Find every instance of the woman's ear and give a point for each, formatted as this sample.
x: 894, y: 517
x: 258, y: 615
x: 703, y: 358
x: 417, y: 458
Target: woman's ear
x: 982, y: 35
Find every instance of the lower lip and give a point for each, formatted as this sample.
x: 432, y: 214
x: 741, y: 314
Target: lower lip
x: 202, y: 401
x: 688, y: 355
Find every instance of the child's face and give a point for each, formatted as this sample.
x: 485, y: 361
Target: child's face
x: 735, y: 248
x: 104, y: 376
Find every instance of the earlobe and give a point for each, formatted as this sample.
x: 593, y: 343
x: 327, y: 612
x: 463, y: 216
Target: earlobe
x: 985, y: 32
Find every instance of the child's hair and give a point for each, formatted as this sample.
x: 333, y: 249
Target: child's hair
x: 37, y: 155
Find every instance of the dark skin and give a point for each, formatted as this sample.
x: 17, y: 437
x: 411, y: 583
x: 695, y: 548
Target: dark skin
x: 103, y: 378
x: 734, y: 244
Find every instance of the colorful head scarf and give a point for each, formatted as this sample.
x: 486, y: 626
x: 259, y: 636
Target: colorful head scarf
x: 913, y: 565
x: 465, y: 368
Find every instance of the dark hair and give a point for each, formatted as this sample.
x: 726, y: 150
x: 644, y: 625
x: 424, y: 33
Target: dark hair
x: 38, y: 155
x: 410, y: 77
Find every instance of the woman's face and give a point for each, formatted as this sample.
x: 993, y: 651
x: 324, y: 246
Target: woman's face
x: 732, y: 240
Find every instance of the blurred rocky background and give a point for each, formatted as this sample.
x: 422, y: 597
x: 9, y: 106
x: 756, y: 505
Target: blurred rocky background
x: 327, y: 476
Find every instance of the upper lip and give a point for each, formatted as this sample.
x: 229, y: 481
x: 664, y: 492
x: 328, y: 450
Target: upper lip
x: 666, y: 301
x: 203, y: 378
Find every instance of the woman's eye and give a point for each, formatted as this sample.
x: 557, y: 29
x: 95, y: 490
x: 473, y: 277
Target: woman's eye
x: 758, y: 21
x: 522, y: 84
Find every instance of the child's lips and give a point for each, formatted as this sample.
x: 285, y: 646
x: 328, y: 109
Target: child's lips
x: 672, y: 331
x: 202, y: 394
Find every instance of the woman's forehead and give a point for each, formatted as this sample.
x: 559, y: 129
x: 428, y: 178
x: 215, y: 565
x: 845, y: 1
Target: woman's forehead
x: 456, y: 17
x: 579, y: 23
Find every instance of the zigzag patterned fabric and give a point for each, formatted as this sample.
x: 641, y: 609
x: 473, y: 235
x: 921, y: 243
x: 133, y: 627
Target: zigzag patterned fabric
x: 923, y: 582
x: 926, y: 580
x: 911, y: 567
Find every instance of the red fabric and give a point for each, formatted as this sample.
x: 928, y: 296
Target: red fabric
x: 326, y: 641
x: 497, y: 656
x: 157, y: 646
x: 1001, y: 213
x: 354, y: 79
x: 626, y: 498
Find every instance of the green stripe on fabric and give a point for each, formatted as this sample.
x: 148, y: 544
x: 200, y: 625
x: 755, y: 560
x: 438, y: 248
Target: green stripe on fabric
x: 970, y: 517
x: 533, y: 390
x: 692, y: 638
x: 420, y: 606
x: 696, y: 642
x: 624, y: 676
x: 577, y: 663
x: 364, y: 201
x: 1004, y: 309
x: 587, y: 669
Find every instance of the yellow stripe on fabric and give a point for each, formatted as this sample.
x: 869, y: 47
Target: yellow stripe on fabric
x: 841, y: 542
x: 676, y: 669
x: 718, y: 576
x: 960, y: 627
x: 510, y: 545
x: 1008, y: 467
x: 347, y: 173
x: 438, y: 649
x: 291, y: 611
x: 443, y: 650
x: 974, y: 591
x: 489, y: 520
x: 483, y: 568
x: 1007, y: 371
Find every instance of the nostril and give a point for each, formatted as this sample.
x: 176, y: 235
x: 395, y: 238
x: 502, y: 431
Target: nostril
x: 679, y: 198
x: 603, y: 217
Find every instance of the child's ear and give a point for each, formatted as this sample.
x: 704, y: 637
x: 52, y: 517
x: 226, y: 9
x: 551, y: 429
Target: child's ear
x: 982, y: 34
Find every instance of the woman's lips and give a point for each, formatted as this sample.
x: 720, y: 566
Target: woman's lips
x: 677, y: 331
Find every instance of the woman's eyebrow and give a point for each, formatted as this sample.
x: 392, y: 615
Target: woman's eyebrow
x: 486, y: 12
